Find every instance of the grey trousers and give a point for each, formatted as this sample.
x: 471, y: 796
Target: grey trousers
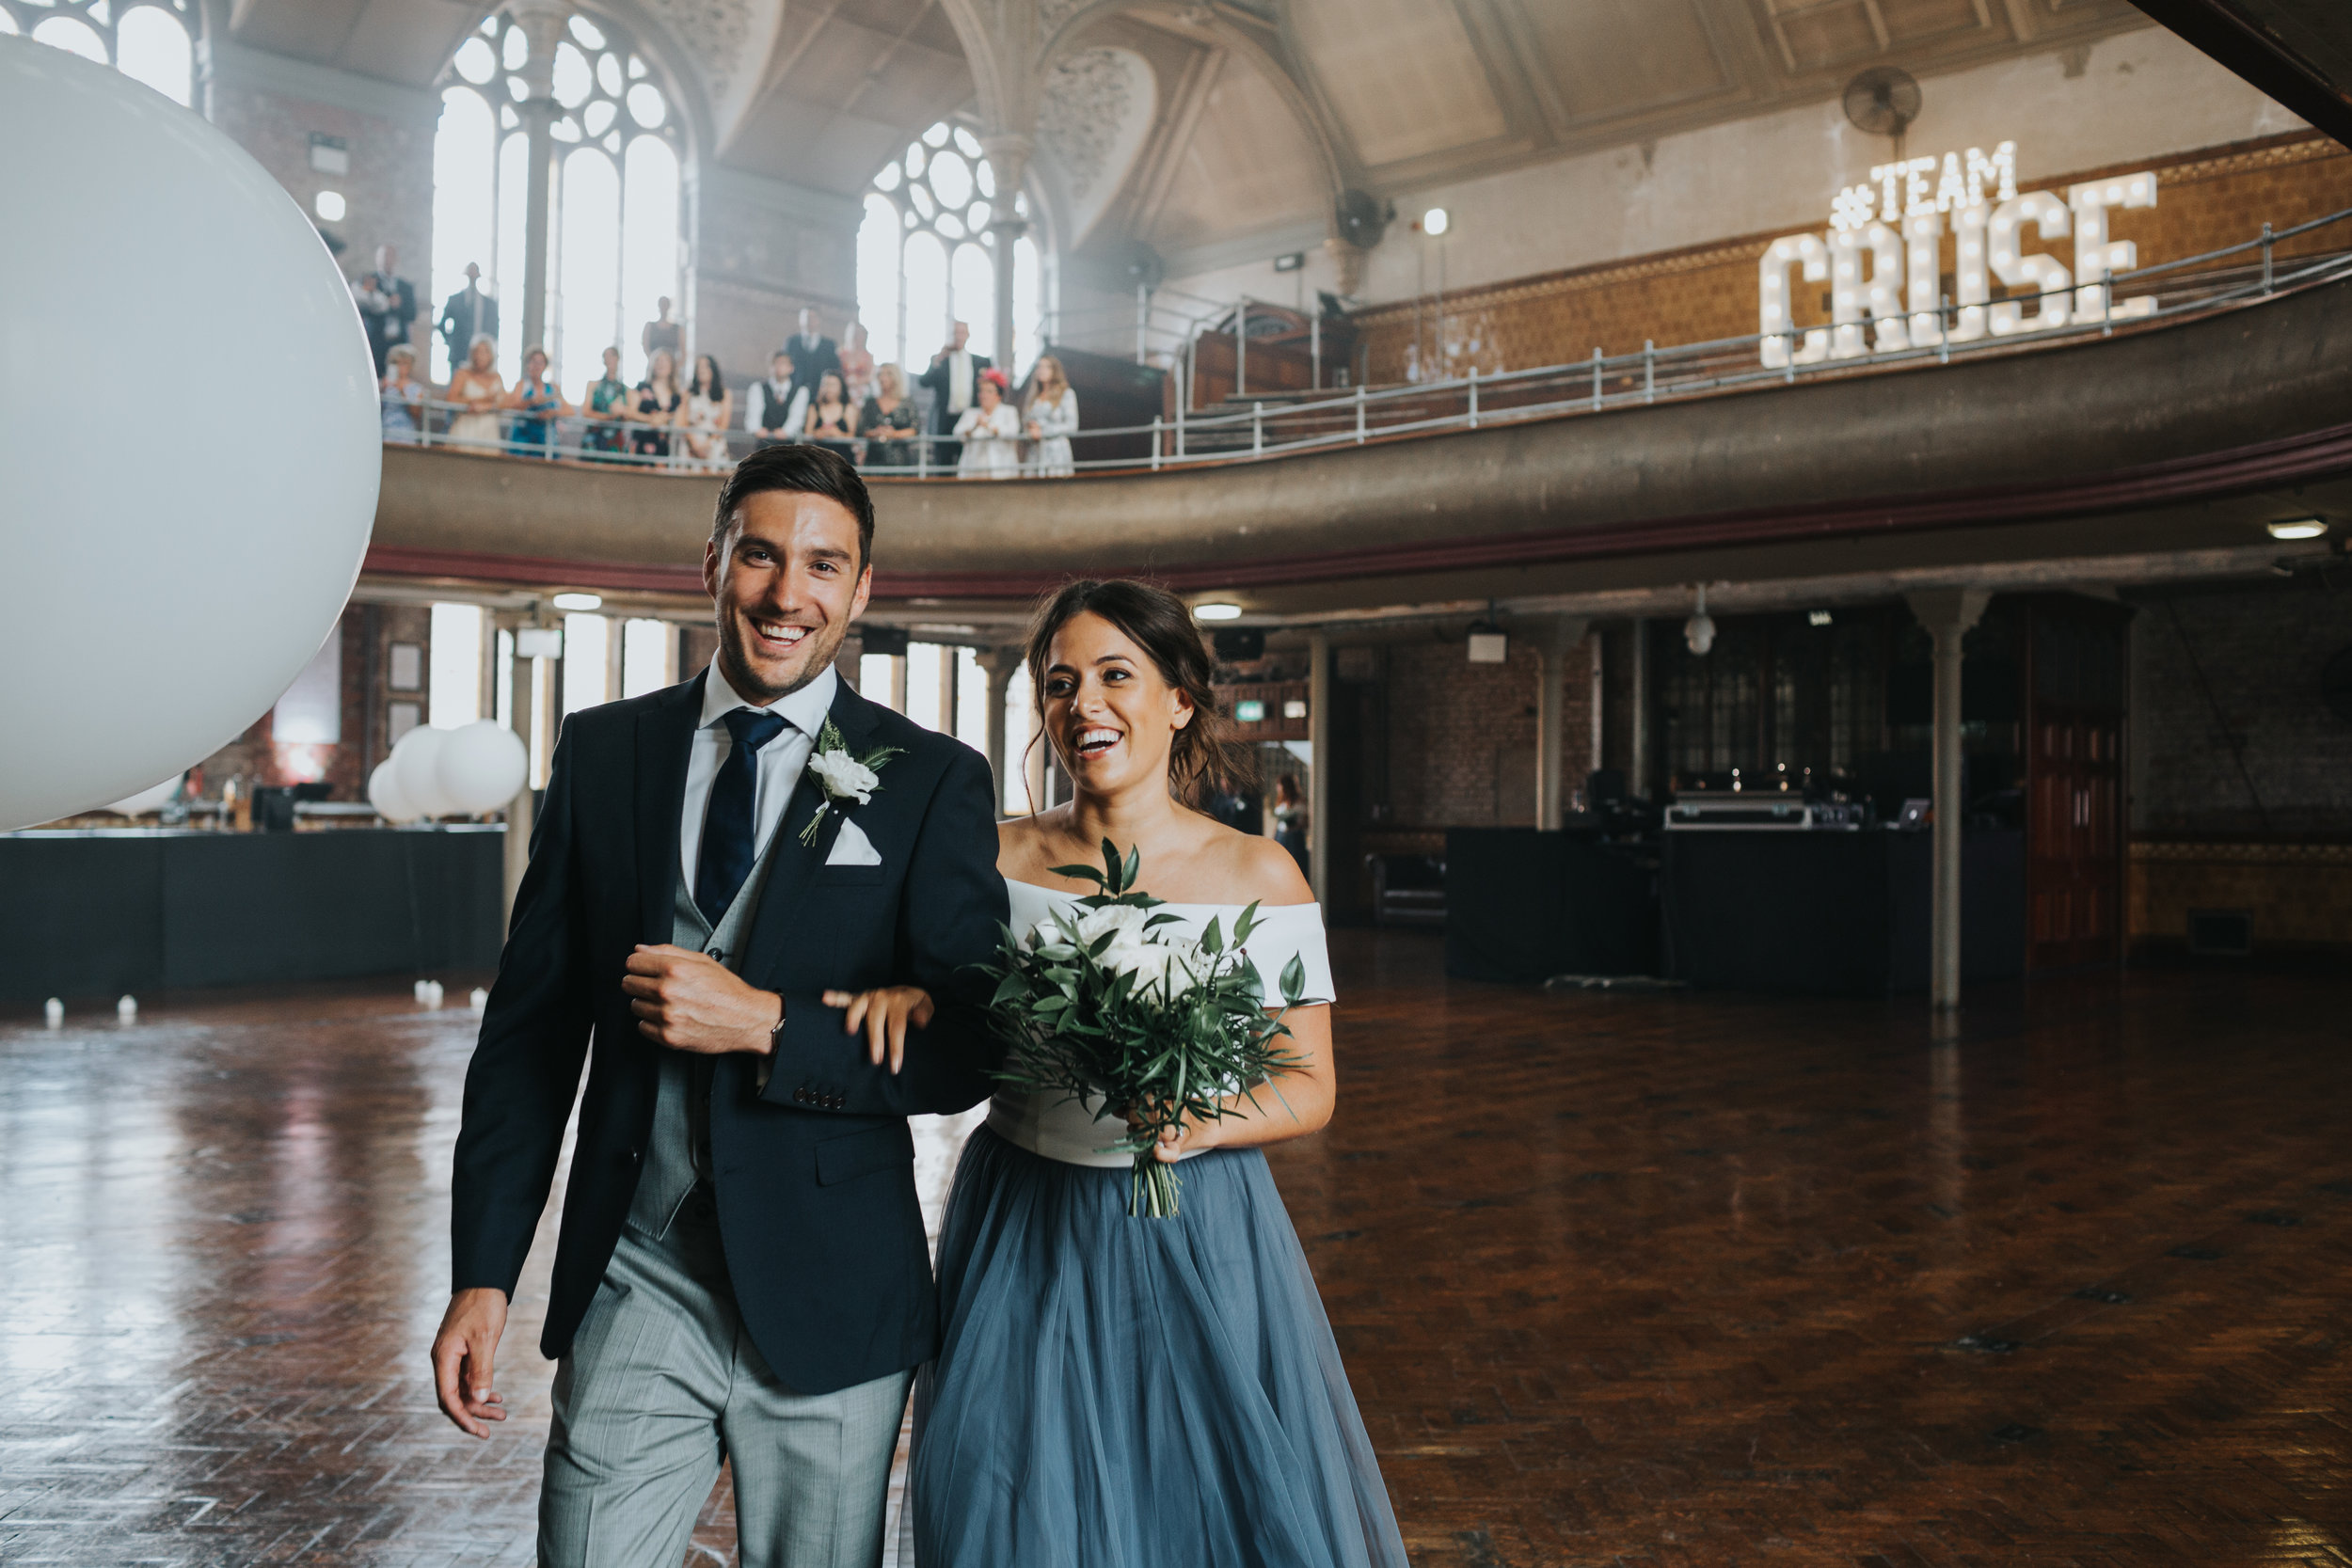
x: 661, y: 1384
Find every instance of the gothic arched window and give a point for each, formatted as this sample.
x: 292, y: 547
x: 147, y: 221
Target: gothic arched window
x: 150, y: 40
x: 925, y: 260
x: 613, y: 219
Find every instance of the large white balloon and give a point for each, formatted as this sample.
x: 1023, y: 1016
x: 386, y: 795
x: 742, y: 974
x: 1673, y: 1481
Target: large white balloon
x: 383, y: 794
x: 155, y: 797
x: 481, y: 765
x: 417, y: 765
x: 199, y: 549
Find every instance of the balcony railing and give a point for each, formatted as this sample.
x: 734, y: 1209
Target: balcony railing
x: 1274, y: 425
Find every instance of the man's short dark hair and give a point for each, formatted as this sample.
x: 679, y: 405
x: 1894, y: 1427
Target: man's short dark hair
x: 809, y: 470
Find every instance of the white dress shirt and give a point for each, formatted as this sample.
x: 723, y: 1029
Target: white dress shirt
x: 780, y: 762
x: 960, y: 381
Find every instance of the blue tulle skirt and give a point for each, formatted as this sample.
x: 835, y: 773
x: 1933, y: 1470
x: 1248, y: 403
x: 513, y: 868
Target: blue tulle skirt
x: 1118, y: 1392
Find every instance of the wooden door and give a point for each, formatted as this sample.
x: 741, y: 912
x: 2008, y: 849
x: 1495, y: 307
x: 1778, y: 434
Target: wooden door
x: 2074, y: 719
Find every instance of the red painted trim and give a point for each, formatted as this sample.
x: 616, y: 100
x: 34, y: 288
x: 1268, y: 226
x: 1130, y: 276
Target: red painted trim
x: 2293, y: 459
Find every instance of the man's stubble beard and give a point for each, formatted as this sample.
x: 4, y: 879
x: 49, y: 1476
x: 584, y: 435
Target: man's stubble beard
x: 738, y: 669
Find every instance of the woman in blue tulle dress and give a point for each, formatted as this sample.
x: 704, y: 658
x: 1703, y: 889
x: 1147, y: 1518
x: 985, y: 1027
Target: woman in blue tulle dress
x: 1127, y: 1392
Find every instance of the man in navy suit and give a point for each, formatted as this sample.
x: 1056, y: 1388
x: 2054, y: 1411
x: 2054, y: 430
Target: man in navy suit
x: 741, y: 1271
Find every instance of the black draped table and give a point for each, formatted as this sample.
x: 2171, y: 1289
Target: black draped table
x: 1525, y: 905
x: 103, y: 913
x: 1835, y: 913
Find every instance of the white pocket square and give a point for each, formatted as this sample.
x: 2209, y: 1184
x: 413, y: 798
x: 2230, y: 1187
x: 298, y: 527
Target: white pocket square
x: 850, y: 846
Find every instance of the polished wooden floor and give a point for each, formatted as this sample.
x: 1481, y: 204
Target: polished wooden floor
x: 1625, y: 1280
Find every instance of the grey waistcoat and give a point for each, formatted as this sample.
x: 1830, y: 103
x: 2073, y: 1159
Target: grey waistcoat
x: 677, y: 1155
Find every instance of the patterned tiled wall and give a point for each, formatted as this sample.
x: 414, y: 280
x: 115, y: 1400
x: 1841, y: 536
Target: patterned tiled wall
x: 2204, y: 201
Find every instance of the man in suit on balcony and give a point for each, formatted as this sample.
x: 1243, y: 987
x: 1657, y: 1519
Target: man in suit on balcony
x: 953, y: 380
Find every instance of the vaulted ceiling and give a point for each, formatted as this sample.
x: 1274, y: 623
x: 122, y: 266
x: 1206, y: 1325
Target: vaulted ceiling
x: 1257, y: 112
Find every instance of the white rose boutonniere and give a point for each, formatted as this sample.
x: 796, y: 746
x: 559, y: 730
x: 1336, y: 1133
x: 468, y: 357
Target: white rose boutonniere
x: 846, y: 780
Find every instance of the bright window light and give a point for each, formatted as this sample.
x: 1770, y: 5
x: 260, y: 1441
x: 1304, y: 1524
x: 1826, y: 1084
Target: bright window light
x: 2298, y: 527
x: 579, y: 601
x: 329, y: 205
x: 453, y: 684
x: 1435, y: 221
x: 584, y: 661
x: 647, y: 648
x: 1217, y: 611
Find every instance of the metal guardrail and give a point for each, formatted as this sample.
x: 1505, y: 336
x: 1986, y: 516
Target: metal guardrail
x: 1273, y: 427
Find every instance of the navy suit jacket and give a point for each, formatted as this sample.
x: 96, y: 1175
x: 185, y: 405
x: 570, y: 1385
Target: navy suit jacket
x: 813, y: 1172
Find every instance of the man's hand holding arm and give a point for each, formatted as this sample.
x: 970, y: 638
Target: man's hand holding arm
x: 688, y: 1001
x: 948, y: 920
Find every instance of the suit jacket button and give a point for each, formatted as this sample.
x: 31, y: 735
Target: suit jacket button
x: 799, y: 1097
x: 837, y: 1102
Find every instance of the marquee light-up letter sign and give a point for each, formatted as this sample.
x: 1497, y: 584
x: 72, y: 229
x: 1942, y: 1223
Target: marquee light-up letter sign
x: 1883, y: 255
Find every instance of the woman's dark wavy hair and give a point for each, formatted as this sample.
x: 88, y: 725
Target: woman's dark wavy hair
x: 1201, y: 759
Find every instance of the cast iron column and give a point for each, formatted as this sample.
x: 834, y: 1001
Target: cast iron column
x: 1948, y: 613
x: 997, y: 665
x: 1319, y: 768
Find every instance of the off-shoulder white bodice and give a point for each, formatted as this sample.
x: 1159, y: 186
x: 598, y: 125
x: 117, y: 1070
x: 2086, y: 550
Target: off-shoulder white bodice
x: 1075, y: 1132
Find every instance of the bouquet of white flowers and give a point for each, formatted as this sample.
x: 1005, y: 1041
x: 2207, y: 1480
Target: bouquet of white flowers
x: 1100, y: 1005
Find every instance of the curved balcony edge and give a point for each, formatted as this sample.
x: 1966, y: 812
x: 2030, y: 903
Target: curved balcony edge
x: 2242, y: 401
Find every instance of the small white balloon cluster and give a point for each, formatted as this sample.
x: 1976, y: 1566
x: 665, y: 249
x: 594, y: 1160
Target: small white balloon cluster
x: 461, y: 773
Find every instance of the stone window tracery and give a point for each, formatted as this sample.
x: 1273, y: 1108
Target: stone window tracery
x: 614, y: 231
x: 149, y: 40
x: 926, y: 258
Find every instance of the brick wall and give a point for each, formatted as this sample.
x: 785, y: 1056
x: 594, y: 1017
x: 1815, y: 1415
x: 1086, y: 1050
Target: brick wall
x: 2203, y: 202
x: 388, y: 190
x: 2261, y: 652
x: 1461, y: 736
x: 757, y: 267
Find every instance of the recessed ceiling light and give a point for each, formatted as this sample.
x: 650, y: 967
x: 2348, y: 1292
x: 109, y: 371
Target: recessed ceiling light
x: 1217, y: 611
x: 1435, y: 221
x: 579, y: 601
x: 2298, y: 527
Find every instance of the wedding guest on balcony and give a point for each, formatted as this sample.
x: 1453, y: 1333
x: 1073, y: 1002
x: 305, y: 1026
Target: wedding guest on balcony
x: 1053, y: 417
x: 479, y: 391
x: 778, y: 406
x: 663, y: 333
x: 710, y: 410
x: 813, y: 354
x: 387, y: 304
x: 536, y: 399
x: 990, y: 433
x: 658, y: 403
x: 468, y: 314
x: 857, y: 364
x: 888, y: 420
x: 404, y: 395
x: 607, y: 408
x: 830, y: 414
x: 953, y: 380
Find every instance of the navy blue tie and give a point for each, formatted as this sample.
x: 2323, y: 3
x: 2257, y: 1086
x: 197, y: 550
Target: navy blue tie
x: 727, y: 848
